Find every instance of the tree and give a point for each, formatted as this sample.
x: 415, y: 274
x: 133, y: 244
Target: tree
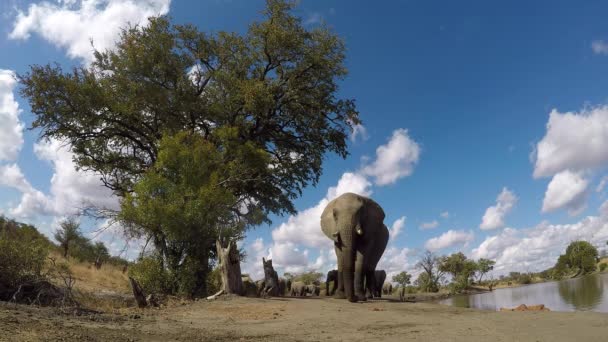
x: 272, y: 90
x: 582, y: 255
x: 403, y: 278
x: 277, y: 85
x: 309, y: 278
x: 428, y: 281
x: 484, y: 266
x: 182, y: 206
x: 461, y: 269
x: 67, y: 234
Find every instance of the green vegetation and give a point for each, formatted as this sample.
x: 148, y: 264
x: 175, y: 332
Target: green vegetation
x: 308, y: 278
x: 580, y: 258
x: 403, y: 279
x: 67, y: 234
x: 23, y: 254
x: 460, y: 268
x: 202, y: 135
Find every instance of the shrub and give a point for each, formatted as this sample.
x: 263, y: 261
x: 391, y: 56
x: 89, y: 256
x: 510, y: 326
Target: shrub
x: 151, y: 276
x: 21, y: 258
x: 603, y: 267
x: 525, y: 279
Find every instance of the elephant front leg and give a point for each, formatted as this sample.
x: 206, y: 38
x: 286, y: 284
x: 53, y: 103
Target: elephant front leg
x: 370, y: 284
x: 359, y: 276
x: 340, y: 276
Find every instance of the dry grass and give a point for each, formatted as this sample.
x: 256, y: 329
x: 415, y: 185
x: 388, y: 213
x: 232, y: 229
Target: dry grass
x: 108, y: 279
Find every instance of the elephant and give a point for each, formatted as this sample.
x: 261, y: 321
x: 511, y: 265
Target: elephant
x: 387, y: 288
x: 314, y: 290
x: 379, y: 278
x: 331, y: 276
x: 298, y: 289
x: 356, y: 225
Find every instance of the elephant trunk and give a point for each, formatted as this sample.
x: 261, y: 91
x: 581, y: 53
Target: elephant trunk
x: 347, y: 235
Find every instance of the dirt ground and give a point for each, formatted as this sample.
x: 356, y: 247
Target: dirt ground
x: 301, y: 319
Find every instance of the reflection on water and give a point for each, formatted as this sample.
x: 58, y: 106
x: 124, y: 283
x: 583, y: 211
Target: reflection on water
x: 580, y: 294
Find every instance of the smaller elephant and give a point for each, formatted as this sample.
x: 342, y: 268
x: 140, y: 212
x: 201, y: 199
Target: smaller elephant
x: 387, y: 288
x: 332, y: 276
x: 314, y: 290
x: 298, y: 289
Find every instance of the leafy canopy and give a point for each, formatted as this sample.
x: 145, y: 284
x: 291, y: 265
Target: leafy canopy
x: 275, y: 86
x: 402, y: 278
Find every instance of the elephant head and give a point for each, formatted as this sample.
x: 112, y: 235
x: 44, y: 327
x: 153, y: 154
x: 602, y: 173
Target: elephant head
x: 353, y: 222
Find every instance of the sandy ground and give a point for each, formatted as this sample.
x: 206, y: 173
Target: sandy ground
x: 301, y: 319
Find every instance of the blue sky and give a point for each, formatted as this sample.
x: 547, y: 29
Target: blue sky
x: 456, y: 101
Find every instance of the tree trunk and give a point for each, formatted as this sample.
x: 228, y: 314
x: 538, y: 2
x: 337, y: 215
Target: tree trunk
x: 138, y: 293
x: 230, y: 268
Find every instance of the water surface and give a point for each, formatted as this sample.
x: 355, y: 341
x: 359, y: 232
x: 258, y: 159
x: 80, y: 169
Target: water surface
x: 588, y: 293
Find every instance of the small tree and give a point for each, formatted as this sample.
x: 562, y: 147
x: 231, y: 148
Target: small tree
x: 403, y: 279
x: 67, y: 234
x: 428, y: 281
x: 460, y: 268
x: 484, y: 266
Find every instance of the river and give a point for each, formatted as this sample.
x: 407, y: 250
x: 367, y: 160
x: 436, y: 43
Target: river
x: 588, y: 293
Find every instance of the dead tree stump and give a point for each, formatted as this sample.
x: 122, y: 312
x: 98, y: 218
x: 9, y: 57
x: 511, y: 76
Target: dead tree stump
x: 138, y: 293
x: 230, y: 269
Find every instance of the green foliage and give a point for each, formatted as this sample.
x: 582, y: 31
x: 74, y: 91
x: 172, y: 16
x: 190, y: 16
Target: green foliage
x: 308, y: 278
x: 151, y: 275
x: 23, y: 252
x: 484, y: 266
x: 525, y: 279
x: 402, y: 278
x: 603, y: 267
x: 428, y: 280
x: 426, y: 284
x: 461, y: 269
x: 67, y: 234
x: 580, y: 256
x: 276, y: 85
x: 214, y: 281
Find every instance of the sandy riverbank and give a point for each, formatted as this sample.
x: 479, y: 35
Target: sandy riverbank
x: 303, y: 319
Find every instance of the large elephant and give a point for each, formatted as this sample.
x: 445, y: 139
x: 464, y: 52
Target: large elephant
x: 331, y: 276
x: 379, y: 278
x: 356, y: 225
x: 298, y: 289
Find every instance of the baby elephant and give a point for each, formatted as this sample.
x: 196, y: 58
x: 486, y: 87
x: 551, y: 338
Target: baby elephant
x: 314, y: 290
x: 298, y: 289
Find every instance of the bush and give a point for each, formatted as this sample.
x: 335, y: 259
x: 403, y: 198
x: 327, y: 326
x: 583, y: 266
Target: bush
x: 22, y: 258
x: 525, y: 279
x: 603, y: 267
x: 151, y: 276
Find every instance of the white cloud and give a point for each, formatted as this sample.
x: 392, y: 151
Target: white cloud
x: 253, y: 263
x: 70, y: 190
x: 538, y: 248
x: 448, y: 239
x: 602, y: 184
x: 72, y: 24
x: 32, y: 201
x: 566, y: 190
x: 494, y: 216
x: 444, y: 215
x: 573, y: 141
x: 396, y: 228
x: 599, y: 47
x: 359, y: 131
x: 313, y: 18
x: 11, y: 129
x: 429, y: 225
x: 394, y: 160
x: 396, y: 260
